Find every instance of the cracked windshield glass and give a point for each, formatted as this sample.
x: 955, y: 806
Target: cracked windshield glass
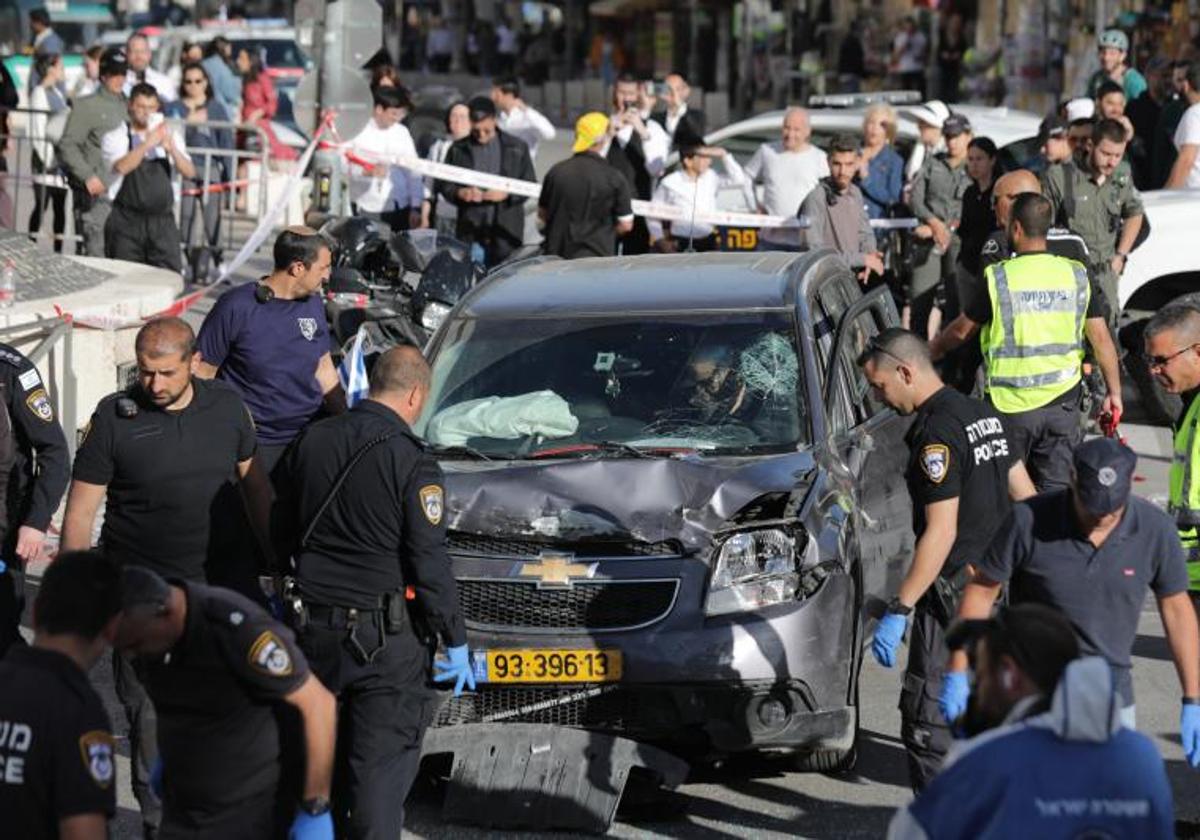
x: 533, y: 388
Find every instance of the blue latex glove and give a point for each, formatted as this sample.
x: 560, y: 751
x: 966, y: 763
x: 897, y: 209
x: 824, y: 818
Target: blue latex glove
x: 308, y: 827
x: 457, y: 669
x: 955, y: 691
x: 1189, y: 734
x: 887, y: 638
x: 156, y: 777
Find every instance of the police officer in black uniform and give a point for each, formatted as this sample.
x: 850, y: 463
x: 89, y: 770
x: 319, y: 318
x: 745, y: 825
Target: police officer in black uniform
x: 160, y: 452
x: 364, y: 504
x: 961, y: 475
x: 223, y: 674
x: 34, y: 467
x: 57, y: 759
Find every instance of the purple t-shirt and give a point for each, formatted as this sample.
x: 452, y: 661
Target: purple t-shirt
x: 269, y: 352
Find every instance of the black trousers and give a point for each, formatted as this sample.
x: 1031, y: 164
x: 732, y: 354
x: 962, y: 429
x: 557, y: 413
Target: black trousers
x: 924, y: 732
x: 150, y: 239
x: 12, y: 604
x: 235, y: 558
x: 383, y: 710
x: 259, y: 817
x: 1045, y: 438
x: 143, y: 737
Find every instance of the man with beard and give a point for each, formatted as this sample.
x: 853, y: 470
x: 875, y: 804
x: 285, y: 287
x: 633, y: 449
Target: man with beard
x: 961, y: 474
x: 1049, y: 756
x: 158, y: 453
x: 1091, y: 551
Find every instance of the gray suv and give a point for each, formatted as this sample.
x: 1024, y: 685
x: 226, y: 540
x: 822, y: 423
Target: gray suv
x: 675, y: 510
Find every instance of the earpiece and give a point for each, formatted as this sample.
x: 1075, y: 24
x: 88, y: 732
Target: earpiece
x: 264, y: 293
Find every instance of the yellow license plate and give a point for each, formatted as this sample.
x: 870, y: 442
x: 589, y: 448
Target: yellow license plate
x: 553, y: 666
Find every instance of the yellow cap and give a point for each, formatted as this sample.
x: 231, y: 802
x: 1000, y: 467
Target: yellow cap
x: 589, y: 129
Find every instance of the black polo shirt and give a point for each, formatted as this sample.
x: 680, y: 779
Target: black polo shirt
x: 1040, y: 553
x: 56, y: 746
x: 385, y: 529
x: 583, y: 197
x: 163, y: 470
x: 215, y: 695
x: 958, y: 448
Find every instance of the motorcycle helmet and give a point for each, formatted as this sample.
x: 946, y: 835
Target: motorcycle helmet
x: 353, y: 239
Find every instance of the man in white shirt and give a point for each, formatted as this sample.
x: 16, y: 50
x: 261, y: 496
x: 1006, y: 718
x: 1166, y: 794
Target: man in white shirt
x: 386, y: 193
x: 694, y: 187
x: 140, y: 153
x: 1186, y: 171
x: 676, y: 91
x: 518, y: 118
x: 639, y: 152
x: 788, y: 169
x: 909, y: 55
x: 137, y: 53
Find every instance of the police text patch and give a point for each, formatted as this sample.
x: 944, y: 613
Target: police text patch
x: 431, y: 503
x: 269, y: 655
x: 30, y: 379
x: 39, y: 404
x: 935, y: 461
x: 96, y: 750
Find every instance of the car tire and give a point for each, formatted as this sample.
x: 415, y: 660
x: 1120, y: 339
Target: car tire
x: 1159, y: 407
x: 839, y: 758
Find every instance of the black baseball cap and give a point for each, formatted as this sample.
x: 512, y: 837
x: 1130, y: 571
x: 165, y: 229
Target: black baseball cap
x: 955, y: 125
x: 481, y: 107
x: 113, y: 62
x: 1103, y: 475
x: 1052, y: 126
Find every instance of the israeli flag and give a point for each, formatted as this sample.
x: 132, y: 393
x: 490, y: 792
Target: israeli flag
x: 353, y: 370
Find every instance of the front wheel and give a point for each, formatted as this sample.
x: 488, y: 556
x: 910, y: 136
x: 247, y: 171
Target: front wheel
x: 837, y: 757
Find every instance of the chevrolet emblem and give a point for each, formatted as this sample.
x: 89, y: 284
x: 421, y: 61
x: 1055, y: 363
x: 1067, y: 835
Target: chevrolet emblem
x: 556, y: 569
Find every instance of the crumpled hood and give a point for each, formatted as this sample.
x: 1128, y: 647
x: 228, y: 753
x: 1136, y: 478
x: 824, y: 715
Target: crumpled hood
x: 1086, y: 706
x: 645, y: 499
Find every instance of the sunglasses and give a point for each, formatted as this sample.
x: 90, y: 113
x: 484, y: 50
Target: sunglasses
x: 1159, y: 362
x: 875, y: 348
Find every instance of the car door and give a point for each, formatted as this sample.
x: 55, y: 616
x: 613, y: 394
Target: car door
x: 868, y: 439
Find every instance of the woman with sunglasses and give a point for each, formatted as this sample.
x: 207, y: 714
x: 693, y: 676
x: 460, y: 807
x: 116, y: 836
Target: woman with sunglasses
x: 199, y: 110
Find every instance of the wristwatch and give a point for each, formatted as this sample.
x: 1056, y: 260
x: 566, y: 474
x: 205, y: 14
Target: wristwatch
x: 1191, y: 701
x: 316, y: 806
x: 898, y: 607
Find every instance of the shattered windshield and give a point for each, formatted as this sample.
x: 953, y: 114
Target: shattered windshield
x: 624, y: 386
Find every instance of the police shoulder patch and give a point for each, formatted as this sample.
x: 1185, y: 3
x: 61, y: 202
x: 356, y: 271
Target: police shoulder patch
x: 39, y: 404
x: 431, y: 503
x: 935, y: 461
x: 96, y: 750
x: 270, y: 655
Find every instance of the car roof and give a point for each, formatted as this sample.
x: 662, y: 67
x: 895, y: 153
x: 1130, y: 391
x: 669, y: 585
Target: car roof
x: 628, y: 285
x: 1002, y: 125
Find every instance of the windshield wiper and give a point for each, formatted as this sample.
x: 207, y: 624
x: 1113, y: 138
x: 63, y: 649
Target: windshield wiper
x: 603, y: 447
x: 469, y: 451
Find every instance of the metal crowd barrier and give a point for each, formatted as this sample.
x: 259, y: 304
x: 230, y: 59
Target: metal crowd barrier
x: 20, y: 185
x: 53, y: 337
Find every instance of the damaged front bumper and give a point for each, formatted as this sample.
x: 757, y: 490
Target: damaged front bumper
x: 529, y: 776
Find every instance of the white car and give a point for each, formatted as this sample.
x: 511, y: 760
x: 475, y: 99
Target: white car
x: 1014, y: 133
x: 1162, y: 269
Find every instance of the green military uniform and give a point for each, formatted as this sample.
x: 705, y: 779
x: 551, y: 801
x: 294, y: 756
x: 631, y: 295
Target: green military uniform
x: 937, y: 193
x: 1184, y: 487
x: 79, y: 151
x: 1095, y: 212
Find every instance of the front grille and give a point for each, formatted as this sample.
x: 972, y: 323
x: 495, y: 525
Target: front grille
x: 481, y: 544
x: 584, y: 607
x: 585, y: 706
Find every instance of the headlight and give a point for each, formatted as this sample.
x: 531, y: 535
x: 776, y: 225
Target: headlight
x: 433, y: 315
x: 756, y: 569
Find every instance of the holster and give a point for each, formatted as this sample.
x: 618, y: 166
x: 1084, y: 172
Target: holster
x: 944, y: 597
x: 394, y: 612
